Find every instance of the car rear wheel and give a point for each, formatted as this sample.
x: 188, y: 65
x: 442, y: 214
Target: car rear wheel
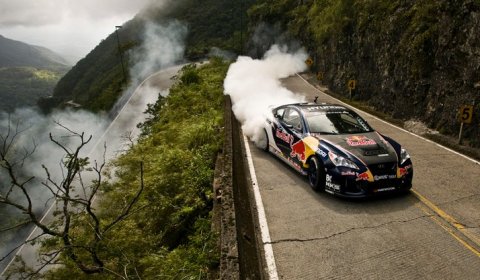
x: 316, y: 175
x: 262, y: 142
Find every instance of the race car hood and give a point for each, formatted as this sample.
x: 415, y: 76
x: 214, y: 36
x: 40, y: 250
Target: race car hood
x: 369, y: 147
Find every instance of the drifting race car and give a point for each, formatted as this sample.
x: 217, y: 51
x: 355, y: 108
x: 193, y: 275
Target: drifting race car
x: 337, y: 149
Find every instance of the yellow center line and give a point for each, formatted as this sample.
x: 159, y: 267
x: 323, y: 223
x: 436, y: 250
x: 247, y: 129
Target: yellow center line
x: 450, y: 220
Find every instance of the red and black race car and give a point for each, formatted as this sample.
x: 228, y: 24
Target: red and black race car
x: 337, y: 149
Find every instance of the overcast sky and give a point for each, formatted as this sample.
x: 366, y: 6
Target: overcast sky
x: 69, y: 27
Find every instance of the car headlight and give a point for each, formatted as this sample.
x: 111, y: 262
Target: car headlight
x: 341, y: 161
x: 404, y: 156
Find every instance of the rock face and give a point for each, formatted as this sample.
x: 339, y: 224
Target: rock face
x: 411, y: 60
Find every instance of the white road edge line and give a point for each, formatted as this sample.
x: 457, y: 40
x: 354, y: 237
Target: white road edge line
x: 402, y: 129
x: 262, y: 219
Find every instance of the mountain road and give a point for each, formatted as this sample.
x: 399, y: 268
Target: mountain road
x: 431, y: 233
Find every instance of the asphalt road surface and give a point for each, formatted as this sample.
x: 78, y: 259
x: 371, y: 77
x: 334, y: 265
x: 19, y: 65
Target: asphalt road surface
x: 431, y: 233
x: 116, y: 137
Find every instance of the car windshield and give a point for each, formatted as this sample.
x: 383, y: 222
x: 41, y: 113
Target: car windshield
x: 336, y: 122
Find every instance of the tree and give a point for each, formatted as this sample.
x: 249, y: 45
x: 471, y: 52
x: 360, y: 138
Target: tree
x: 74, y: 199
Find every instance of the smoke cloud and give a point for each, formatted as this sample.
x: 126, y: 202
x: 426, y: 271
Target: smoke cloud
x: 163, y: 46
x: 254, y: 85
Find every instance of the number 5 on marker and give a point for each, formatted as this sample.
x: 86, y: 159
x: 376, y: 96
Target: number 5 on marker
x: 466, y: 114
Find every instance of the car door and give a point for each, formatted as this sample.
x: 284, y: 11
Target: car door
x: 281, y: 135
x: 288, y: 136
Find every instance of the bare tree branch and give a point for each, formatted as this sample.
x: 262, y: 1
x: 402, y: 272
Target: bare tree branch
x: 72, y: 203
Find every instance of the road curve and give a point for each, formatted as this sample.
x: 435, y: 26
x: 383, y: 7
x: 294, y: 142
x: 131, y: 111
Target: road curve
x: 431, y: 233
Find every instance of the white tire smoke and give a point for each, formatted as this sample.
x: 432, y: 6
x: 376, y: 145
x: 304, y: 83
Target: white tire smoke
x: 254, y: 86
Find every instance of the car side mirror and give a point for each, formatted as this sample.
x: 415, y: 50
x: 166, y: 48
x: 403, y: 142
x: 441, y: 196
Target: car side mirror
x: 288, y: 125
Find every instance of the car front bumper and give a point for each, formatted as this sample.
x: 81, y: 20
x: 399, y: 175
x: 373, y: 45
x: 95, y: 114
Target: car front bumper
x: 350, y: 186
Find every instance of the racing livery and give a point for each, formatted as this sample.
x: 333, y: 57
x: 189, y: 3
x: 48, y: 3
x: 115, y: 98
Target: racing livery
x: 337, y: 149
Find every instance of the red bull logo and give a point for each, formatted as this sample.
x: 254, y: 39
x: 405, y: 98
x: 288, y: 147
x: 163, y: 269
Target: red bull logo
x: 298, y: 150
x: 403, y: 171
x: 365, y: 176
x: 355, y: 141
x: 362, y: 177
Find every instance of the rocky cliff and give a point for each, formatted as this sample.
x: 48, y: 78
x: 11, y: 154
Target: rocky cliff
x: 411, y: 59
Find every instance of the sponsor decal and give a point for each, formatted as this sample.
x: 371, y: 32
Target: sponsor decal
x: 298, y: 150
x: 329, y: 191
x: 289, y: 161
x: 328, y: 178
x: 384, y: 177
x: 348, y: 173
x: 356, y: 141
x: 385, y: 189
x: 362, y: 177
x: 322, y: 153
x: 333, y: 186
x: 324, y: 107
x: 330, y: 185
x: 404, y: 170
x: 284, y: 136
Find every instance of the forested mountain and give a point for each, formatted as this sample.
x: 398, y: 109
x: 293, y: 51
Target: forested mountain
x: 411, y: 59
x: 97, y: 80
x: 27, y: 73
x: 16, y: 54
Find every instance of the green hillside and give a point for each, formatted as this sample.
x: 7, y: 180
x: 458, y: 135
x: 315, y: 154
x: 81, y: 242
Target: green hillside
x: 27, y: 73
x: 23, y: 86
x: 17, y: 54
x: 97, y: 80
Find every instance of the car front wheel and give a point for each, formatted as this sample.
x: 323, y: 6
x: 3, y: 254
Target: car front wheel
x: 316, y: 174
